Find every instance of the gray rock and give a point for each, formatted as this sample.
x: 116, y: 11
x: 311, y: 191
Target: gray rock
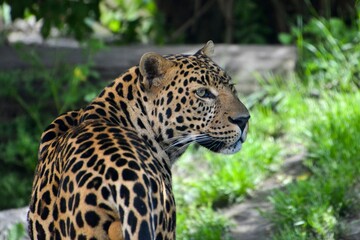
x: 9, y: 218
x: 249, y: 222
x: 242, y: 62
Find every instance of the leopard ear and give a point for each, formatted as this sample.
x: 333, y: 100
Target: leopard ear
x: 207, y: 50
x: 153, y: 67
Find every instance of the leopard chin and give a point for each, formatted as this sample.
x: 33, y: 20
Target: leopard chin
x: 235, y: 147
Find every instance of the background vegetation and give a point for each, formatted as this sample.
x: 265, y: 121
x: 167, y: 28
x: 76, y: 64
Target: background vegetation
x: 164, y: 21
x: 315, y: 108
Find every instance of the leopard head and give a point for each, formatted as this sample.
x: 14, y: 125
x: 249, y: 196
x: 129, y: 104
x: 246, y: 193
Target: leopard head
x: 193, y: 100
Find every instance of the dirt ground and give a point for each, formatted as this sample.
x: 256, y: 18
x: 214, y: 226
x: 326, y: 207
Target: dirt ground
x: 250, y: 224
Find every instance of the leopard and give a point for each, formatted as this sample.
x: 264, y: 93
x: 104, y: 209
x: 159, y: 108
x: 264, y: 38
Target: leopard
x: 104, y: 170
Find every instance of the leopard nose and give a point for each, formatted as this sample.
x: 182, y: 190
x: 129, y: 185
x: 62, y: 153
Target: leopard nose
x: 240, y: 121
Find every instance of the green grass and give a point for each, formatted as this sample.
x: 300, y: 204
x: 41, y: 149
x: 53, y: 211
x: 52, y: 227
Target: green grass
x: 313, y: 208
x: 200, y: 223
x: 322, y: 112
x: 328, y: 53
x: 336, y: 131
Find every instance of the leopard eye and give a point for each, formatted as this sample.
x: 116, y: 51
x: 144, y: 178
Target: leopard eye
x: 204, y: 93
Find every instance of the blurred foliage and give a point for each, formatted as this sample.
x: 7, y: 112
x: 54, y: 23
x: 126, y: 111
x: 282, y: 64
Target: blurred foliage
x: 329, y: 52
x: 132, y: 20
x: 129, y: 21
x: 34, y: 93
x: 68, y: 15
x: 250, y: 22
x: 313, y: 207
x: 319, y: 106
x: 16, y: 232
x: 196, y: 223
x: 163, y: 21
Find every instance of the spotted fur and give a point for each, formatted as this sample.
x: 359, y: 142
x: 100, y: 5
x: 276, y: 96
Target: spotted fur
x: 104, y: 171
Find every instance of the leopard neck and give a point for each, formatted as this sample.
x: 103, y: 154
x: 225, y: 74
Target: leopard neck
x: 125, y: 103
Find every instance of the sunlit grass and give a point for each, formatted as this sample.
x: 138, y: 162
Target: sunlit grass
x: 327, y: 121
x: 318, y: 109
x: 196, y: 223
x: 314, y: 207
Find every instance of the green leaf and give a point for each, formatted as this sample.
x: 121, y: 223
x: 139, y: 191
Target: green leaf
x: 16, y: 232
x: 285, y: 38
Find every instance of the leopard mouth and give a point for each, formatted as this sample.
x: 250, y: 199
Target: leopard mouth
x: 235, y: 147
x: 220, y: 146
x: 210, y: 143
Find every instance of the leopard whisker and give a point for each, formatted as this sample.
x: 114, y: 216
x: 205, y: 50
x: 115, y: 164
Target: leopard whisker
x: 187, y: 140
